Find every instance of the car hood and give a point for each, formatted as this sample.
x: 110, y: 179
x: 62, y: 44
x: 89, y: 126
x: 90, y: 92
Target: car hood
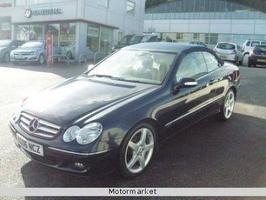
x: 25, y: 50
x: 79, y: 96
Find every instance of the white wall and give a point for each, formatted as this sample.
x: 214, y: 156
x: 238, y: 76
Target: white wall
x: 207, y: 26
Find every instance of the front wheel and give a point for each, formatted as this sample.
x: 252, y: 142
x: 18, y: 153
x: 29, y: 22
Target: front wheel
x: 227, y: 108
x: 42, y: 59
x: 137, y: 150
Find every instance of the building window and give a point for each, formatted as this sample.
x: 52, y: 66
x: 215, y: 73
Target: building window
x: 29, y: 32
x: 179, y: 36
x: 93, y: 35
x: 211, y: 38
x: 20, y: 2
x: 103, y: 3
x: 131, y: 6
x: 196, y: 36
x: 106, y: 39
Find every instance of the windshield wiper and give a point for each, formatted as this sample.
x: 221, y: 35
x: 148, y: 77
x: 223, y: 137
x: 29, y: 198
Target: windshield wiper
x: 115, y: 78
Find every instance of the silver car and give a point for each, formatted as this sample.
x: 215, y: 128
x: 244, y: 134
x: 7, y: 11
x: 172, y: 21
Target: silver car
x: 229, y: 52
x: 33, y: 51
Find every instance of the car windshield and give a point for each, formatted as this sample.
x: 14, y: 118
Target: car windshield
x: 254, y: 44
x: 4, y: 43
x: 135, y: 66
x: 226, y: 46
x: 32, y: 45
x: 126, y: 39
x: 136, y: 39
x: 260, y: 48
x: 146, y: 38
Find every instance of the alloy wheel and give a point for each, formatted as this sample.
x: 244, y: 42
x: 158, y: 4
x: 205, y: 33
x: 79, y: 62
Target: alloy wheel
x: 139, y: 150
x: 42, y: 60
x: 229, y: 104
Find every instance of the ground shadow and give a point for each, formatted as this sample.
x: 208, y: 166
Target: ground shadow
x: 209, y: 154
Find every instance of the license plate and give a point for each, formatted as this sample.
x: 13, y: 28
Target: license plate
x: 261, y: 60
x: 18, y: 57
x: 30, y: 146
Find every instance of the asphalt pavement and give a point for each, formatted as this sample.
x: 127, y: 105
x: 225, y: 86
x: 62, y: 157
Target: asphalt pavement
x: 209, y: 154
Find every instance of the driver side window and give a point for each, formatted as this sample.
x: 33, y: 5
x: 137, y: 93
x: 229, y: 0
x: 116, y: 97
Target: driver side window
x: 192, y: 66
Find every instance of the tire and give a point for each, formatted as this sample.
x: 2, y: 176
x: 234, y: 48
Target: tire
x: 69, y: 55
x: 250, y: 64
x: 135, y: 154
x: 6, y: 57
x: 245, y: 59
x: 41, y: 59
x: 227, y: 108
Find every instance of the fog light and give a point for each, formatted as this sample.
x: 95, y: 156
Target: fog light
x: 79, y: 165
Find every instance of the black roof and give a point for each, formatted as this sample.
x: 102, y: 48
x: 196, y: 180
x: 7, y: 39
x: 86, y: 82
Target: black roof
x: 163, y: 46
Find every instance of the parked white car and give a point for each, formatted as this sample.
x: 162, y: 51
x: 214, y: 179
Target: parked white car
x: 248, y: 48
x: 32, y: 51
x: 229, y: 52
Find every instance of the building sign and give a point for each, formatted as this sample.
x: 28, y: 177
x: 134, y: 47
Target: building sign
x: 49, y: 47
x: 49, y: 11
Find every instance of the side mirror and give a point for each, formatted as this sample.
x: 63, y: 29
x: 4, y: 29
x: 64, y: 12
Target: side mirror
x: 185, y: 83
x: 90, y: 67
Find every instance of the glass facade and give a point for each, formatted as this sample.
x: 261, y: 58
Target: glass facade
x: 5, y: 27
x: 209, y: 38
x: 202, y: 9
x: 29, y: 32
x: 99, y: 38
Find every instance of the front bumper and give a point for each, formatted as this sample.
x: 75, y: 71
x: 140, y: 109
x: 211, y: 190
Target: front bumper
x: 227, y: 57
x: 258, y: 60
x: 28, y: 58
x: 65, y: 160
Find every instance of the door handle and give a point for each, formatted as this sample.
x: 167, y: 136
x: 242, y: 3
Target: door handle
x: 212, y: 81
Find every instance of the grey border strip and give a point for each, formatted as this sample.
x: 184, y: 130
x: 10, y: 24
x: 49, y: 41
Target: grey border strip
x: 184, y: 192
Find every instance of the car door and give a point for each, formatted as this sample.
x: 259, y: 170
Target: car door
x: 217, y: 83
x: 187, y: 100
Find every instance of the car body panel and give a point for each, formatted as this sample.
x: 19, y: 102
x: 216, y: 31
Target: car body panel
x: 232, y: 55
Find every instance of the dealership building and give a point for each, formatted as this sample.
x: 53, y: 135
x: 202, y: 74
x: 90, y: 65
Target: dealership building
x: 81, y: 25
x: 208, y: 21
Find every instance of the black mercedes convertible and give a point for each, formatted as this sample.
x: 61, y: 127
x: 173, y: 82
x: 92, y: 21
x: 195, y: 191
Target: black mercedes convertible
x: 115, y: 113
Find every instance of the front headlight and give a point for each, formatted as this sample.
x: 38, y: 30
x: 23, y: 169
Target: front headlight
x: 85, y: 135
x: 71, y: 134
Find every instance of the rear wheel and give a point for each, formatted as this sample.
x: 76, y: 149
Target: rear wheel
x: 6, y: 57
x: 69, y: 55
x: 42, y: 59
x: 227, y: 108
x: 137, y: 150
x: 251, y: 64
x: 245, y: 60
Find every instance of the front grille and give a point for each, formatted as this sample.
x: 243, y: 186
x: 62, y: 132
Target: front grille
x: 43, y: 128
x: 23, y: 54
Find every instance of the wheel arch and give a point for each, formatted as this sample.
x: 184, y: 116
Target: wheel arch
x: 234, y: 90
